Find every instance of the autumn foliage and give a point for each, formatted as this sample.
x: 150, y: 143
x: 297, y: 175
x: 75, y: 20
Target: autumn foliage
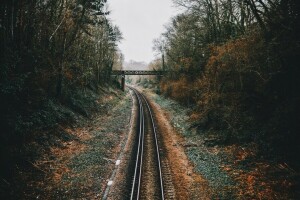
x: 240, y: 77
x: 54, y: 58
x: 178, y: 89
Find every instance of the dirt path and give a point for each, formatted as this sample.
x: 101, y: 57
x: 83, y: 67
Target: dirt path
x: 188, y: 184
x: 120, y: 183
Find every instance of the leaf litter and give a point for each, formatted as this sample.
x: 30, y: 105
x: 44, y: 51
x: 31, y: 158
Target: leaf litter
x: 78, y: 168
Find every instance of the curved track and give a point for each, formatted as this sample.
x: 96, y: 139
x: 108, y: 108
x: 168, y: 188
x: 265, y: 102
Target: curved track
x: 147, y: 179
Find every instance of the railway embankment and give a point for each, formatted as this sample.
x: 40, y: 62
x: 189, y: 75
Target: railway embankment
x: 213, y: 169
x: 73, y: 154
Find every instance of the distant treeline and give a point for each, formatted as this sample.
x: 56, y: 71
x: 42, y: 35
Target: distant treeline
x: 240, y: 68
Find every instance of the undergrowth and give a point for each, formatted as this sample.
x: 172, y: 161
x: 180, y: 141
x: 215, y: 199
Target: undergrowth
x: 37, y: 125
x: 234, y: 170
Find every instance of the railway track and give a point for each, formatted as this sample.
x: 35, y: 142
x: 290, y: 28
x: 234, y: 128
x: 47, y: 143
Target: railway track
x: 147, y: 178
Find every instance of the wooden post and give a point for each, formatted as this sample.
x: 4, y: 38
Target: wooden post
x: 163, y: 62
x: 123, y: 81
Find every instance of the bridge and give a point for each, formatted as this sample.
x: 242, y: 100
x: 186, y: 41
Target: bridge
x: 137, y: 72
x: 122, y: 73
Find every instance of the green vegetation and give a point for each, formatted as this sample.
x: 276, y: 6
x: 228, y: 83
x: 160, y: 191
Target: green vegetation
x: 206, y: 162
x: 236, y: 63
x: 56, y: 59
x: 233, y: 171
x: 90, y: 169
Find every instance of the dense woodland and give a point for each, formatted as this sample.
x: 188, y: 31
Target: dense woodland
x: 239, y: 67
x: 233, y: 62
x: 55, y: 54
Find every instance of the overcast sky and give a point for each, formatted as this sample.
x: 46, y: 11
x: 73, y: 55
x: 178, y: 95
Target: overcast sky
x: 140, y: 21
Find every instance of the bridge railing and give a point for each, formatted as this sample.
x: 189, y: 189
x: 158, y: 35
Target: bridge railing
x: 137, y: 72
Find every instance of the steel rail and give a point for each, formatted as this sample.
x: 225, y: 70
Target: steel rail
x: 139, y: 158
x: 157, y: 149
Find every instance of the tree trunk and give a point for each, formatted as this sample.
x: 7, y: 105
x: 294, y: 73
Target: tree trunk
x: 59, y: 86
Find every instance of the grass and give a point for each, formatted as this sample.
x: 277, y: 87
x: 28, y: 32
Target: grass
x: 70, y: 150
x: 90, y: 169
x: 206, y: 161
x: 234, y: 170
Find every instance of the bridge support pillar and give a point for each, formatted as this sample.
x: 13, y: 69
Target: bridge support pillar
x: 123, y: 81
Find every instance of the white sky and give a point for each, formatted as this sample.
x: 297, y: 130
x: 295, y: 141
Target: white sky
x: 140, y: 21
